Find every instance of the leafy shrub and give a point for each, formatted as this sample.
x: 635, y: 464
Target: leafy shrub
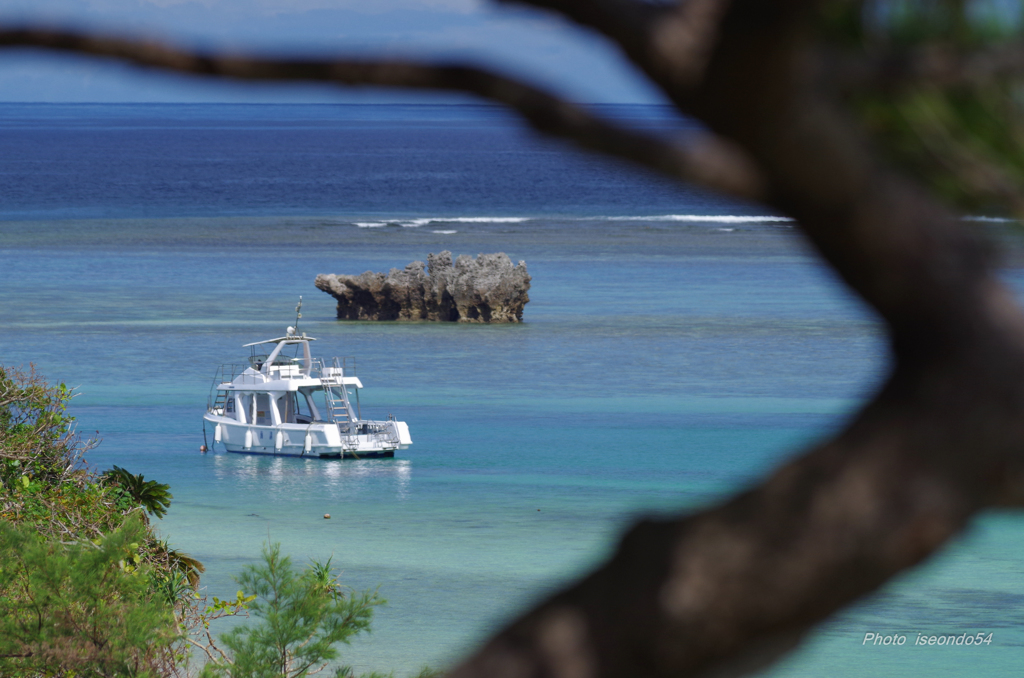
x: 303, y: 616
x: 149, y: 494
x: 86, y: 588
x: 84, y: 608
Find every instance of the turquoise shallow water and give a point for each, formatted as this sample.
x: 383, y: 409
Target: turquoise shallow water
x: 664, y: 363
x: 658, y: 369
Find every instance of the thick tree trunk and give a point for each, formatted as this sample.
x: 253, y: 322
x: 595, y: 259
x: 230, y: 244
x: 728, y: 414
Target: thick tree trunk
x: 731, y: 588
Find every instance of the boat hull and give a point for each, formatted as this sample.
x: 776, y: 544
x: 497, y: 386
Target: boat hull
x: 320, y: 440
x: 341, y: 454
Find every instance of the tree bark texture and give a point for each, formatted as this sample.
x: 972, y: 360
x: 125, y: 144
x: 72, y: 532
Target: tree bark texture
x: 727, y: 590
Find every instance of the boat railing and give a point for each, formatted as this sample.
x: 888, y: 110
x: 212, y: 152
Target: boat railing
x: 225, y: 373
x: 228, y: 372
x: 343, y: 366
x: 334, y: 368
x: 386, y: 434
x: 383, y: 433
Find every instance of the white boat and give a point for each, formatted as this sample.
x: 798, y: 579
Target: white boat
x: 285, y: 402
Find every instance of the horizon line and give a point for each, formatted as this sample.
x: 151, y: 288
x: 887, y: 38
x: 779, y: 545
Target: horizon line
x: 320, y: 103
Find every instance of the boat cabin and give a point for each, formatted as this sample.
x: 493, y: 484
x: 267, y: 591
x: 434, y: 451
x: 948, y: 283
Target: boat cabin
x: 287, y: 386
x: 284, y: 401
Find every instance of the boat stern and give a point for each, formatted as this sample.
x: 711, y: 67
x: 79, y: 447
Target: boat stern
x: 404, y: 439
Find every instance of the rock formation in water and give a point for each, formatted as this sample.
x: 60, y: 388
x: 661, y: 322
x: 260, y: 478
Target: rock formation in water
x: 487, y: 289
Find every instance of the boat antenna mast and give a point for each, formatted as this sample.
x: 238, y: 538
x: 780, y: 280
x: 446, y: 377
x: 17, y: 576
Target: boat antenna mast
x: 298, y: 315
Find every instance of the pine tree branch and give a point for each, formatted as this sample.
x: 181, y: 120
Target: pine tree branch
x: 206, y: 649
x: 702, y: 159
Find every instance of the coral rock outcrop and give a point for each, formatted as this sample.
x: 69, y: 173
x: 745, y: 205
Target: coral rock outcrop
x: 487, y: 289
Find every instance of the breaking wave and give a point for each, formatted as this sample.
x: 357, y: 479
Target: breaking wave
x: 709, y: 218
x: 727, y: 219
x: 416, y: 223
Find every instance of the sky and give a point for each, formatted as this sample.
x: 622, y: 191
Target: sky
x: 536, y: 46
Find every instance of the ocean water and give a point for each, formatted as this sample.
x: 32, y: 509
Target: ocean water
x: 676, y: 348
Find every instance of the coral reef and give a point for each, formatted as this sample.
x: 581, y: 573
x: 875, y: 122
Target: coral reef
x: 485, y: 289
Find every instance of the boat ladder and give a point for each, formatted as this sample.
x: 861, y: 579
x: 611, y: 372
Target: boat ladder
x: 333, y: 403
x: 221, y: 401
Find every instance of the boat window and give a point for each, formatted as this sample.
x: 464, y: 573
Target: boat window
x: 303, y: 413
x: 263, y: 416
x: 321, y: 403
x: 322, y: 410
x: 293, y: 410
x: 245, y: 414
x: 229, y: 404
x: 291, y: 354
x: 314, y: 400
x: 301, y: 406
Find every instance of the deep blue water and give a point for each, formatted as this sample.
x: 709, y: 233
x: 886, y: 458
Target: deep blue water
x: 151, y: 160
x: 675, y: 348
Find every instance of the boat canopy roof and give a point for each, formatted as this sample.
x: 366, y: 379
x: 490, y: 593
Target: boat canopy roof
x: 280, y: 340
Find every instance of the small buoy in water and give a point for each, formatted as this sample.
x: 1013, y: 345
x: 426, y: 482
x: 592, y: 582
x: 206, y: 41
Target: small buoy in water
x: 327, y: 516
x: 202, y: 448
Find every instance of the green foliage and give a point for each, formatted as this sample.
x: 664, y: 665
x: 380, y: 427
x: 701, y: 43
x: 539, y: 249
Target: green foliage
x: 965, y: 143
x: 173, y: 587
x: 83, y: 609
x: 87, y: 590
x: 43, y: 481
x: 153, y: 496
x: 36, y: 433
x: 963, y: 137
x: 85, y: 587
x: 176, y: 562
x: 303, y: 616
